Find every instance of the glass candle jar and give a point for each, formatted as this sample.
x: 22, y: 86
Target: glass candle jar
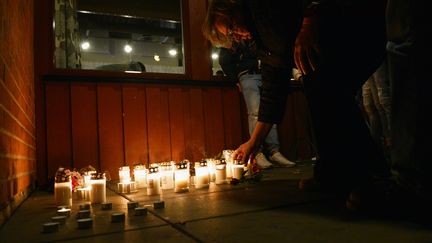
x: 202, y: 178
x: 124, y: 174
x: 220, y: 172
x: 98, y: 188
x: 182, y: 177
x: 166, y: 170
x: 140, y: 176
x: 228, y: 156
x: 211, y: 163
x: 238, y: 169
x: 153, y: 180
x: 63, y: 190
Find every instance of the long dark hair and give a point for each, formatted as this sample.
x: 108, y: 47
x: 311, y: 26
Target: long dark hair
x: 223, y: 12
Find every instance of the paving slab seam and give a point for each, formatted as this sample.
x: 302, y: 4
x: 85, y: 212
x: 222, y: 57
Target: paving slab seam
x: 172, y: 224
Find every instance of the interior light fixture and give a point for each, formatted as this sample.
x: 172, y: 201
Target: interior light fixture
x: 172, y: 52
x: 156, y: 57
x: 128, y: 48
x: 214, y: 56
x: 85, y: 45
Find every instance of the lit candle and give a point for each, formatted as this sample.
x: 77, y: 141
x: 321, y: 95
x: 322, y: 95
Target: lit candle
x: 167, y: 175
x: 201, y: 175
x: 238, y: 170
x: 211, y: 163
x: 140, y: 175
x: 63, y: 190
x: 220, y: 172
x: 227, y: 154
x: 63, y: 212
x: 153, y: 180
x: 124, y: 174
x: 182, y: 177
x: 98, y: 188
x: 83, y: 193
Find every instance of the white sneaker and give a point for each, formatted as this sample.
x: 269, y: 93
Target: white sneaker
x: 262, y: 161
x: 281, y: 160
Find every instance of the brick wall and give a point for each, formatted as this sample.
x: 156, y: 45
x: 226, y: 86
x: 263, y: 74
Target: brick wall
x: 17, y: 109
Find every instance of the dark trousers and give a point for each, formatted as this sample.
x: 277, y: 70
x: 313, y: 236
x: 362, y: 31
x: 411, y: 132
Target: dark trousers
x: 350, y: 51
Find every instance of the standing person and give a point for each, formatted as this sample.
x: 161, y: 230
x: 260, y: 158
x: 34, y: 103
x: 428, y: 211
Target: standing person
x: 241, y: 66
x: 350, y: 47
x: 409, y: 52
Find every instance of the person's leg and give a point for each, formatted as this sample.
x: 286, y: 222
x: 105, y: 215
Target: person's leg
x: 348, y: 57
x: 251, y: 93
x: 369, y: 104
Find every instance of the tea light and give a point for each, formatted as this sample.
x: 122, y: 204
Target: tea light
x: 201, y: 175
x: 98, y: 188
x: 153, y: 180
x: 63, y: 192
x: 167, y: 175
x: 140, y: 211
x: 59, y: 219
x: 238, y: 170
x: 181, y: 177
x: 64, y: 212
x: 211, y: 164
x: 140, y: 174
x: 85, y: 223
x: 83, y: 214
x: 132, y: 205
x: 50, y: 227
x: 220, y: 172
x: 118, y: 217
x: 158, y: 204
x: 85, y: 206
x: 106, y: 206
x: 126, y: 187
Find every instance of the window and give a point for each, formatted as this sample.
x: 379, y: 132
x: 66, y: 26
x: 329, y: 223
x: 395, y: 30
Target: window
x: 122, y: 36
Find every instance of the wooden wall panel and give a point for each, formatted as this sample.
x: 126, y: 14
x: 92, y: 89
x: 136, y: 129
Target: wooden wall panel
x: 233, y: 130
x: 158, y: 124
x: 213, y: 122
x: 177, y: 127
x: 110, y: 121
x: 84, y: 125
x: 196, y: 139
x: 135, y: 124
x: 58, y: 123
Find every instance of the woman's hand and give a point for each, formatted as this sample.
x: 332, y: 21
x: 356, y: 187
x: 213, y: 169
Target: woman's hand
x: 248, y: 150
x: 306, y: 48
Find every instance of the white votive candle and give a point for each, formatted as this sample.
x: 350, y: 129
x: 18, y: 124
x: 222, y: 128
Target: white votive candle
x: 153, y: 181
x: 63, y: 193
x: 201, y: 175
x: 98, y: 188
x: 181, y: 177
x: 220, y: 174
x: 166, y: 171
x: 140, y: 175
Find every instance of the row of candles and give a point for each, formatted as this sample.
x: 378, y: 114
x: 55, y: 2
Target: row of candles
x: 157, y: 177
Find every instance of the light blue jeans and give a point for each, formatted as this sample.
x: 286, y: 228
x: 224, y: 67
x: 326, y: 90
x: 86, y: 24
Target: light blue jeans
x: 250, y: 85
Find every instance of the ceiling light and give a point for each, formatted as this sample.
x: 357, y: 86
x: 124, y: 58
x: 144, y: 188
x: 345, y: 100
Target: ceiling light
x: 128, y: 48
x: 156, y: 58
x: 172, y: 52
x: 85, y: 45
x: 214, y: 56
